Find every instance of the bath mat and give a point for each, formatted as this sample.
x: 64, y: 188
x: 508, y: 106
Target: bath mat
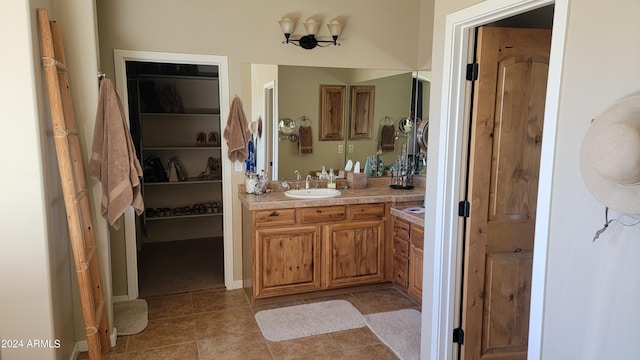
x: 298, y: 321
x: 130, y: 317
x: 399, y: 330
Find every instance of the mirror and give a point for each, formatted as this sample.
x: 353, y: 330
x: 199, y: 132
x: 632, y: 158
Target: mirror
x: 386, y: 101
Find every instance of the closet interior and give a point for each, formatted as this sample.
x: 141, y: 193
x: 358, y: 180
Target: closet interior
x: 174, y: 116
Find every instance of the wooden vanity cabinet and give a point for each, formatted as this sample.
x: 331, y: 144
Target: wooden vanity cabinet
x: 288, y: 251
x: 408, y: 245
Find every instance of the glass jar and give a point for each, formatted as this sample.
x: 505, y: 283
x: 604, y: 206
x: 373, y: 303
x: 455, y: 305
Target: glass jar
x: 250, y: 181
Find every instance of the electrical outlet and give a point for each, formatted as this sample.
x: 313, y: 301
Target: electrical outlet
x: 340, y: 149
x: 350, y: 148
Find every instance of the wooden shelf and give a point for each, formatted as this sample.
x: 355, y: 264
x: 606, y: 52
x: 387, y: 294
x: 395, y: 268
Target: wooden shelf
x: 168, y: 148
x: 173, y: 217
x: 189, y: 181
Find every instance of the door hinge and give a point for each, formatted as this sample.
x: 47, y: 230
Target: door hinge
x: 472, y: 72
x: 458, y: 336
x: 464, y: 208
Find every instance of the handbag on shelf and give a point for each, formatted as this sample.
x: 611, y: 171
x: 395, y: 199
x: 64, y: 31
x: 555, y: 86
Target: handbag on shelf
x: 153, y: 171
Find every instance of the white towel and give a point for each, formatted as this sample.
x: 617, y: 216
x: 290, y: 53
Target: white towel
x: 113, y: 158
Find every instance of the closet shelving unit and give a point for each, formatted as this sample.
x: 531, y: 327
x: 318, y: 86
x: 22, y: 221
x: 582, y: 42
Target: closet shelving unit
x: 173, y: 104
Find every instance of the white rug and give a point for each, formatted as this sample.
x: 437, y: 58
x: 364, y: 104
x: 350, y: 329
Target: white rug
x: 130, y: 317
x: 309, y: 319
x: 399, y: 330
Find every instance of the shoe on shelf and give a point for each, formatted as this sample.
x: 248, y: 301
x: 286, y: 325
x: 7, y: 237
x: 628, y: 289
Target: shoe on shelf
x: 201, y: 139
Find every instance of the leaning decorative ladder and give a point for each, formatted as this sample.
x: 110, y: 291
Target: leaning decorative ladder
x: 74, y: 187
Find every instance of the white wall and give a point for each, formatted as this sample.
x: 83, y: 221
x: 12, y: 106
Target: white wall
x: 25, y: 277
x: 39, y: 293
x: 592, y: 289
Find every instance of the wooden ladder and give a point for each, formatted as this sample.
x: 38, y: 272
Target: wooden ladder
x: 74, y: 187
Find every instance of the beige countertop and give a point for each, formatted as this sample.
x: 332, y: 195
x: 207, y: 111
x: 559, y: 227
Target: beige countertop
x: 278, y: 200
x: 412, y: 217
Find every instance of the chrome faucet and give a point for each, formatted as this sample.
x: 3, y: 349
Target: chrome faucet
x: 297, y: 174
x: 308, y: 184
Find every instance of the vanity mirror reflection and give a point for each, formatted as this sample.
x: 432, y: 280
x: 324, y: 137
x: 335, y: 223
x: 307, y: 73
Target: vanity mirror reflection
x: 390, y: 97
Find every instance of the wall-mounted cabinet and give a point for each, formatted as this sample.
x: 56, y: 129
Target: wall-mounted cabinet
x: 332, y: 98
x: 177, y: 125
x: 361, y: 114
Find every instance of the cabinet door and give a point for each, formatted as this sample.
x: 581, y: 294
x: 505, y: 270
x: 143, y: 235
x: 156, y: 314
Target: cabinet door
x: 287, y: 261
x: 353, y: 253
x: 416, y: 262
x: 415, y: 272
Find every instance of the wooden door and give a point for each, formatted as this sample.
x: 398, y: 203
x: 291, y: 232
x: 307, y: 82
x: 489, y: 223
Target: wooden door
x: 506, y: 133
x: 353, y: 253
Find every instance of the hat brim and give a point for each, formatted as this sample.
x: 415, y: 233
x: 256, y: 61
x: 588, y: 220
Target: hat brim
x: 623, y: 198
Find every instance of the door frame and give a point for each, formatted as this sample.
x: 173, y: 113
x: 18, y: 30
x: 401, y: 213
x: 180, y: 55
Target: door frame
x: 445, y: 175
x: 120, y: 59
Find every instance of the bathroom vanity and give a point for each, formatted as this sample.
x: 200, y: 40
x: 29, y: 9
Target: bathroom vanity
x: 408, y: 248
x: 299, y: 245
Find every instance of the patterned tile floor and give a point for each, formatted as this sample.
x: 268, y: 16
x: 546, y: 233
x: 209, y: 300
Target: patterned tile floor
x: 220, y: 324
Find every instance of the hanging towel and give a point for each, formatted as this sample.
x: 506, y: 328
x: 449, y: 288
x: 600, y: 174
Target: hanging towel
x: 388, y: 138
x: 237, y: 132
x: 305, y: 140
x: 113, y: 158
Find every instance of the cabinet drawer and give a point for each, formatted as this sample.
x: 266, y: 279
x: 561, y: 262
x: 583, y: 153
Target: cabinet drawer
x: 417, y: 236
x: 400, y: 246
x: 275, y: 217
x: 401, y: 271
x: 322, y: 214
x: 367, y: 211
x: 400, y: 229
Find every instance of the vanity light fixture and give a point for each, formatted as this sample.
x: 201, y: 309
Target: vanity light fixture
x: 309, y: 41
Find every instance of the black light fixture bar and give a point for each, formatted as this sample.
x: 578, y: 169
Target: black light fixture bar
x: 310, y: 41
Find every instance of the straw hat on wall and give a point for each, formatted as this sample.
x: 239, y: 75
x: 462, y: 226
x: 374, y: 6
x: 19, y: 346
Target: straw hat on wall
x: 610, y: 156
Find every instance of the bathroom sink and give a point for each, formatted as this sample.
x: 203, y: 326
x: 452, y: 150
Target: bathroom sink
x: 312, y: 193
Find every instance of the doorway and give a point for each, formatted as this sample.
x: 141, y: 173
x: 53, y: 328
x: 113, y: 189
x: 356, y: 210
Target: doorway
x: 507, y: 122
x: 132, y: 238
x: 446, y: 177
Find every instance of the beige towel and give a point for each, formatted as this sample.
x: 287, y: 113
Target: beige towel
x: 388, y: 138
x: 113, y: 158
x: 305, y: 140
x: 237, y: 132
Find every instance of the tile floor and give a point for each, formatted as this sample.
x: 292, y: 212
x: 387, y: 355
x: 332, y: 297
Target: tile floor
x: 220, y: 324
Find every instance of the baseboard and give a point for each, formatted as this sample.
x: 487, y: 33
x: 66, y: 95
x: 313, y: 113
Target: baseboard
x: 82, y: 346
x: 237, y: 284
x: 121, y: 298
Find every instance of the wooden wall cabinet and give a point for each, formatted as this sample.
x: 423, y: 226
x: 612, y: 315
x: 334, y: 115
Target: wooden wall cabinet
x: 332, y: 99
x: 289, y: 251
x: 361, y: 114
